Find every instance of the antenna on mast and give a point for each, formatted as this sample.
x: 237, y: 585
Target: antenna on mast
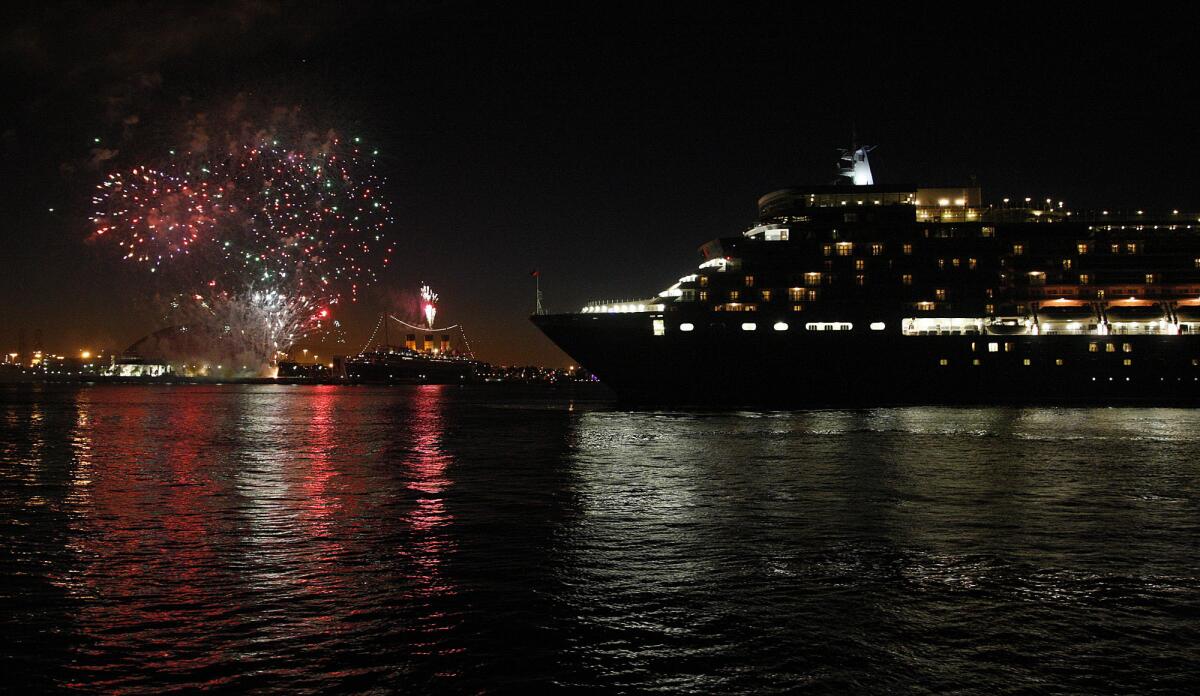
x: 537, y: 293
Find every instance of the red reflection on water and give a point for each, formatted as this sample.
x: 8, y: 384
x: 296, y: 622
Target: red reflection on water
x: 319, y: 505
x: 141, y: 530
x: 427, y: 477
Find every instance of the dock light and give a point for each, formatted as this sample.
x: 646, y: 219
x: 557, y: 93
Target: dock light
x: 85, y: 354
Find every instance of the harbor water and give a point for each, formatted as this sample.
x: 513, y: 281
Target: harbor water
x: 472, y: 539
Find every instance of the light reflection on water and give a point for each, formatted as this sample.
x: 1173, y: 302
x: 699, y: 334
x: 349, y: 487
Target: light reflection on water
x: 436, y: 538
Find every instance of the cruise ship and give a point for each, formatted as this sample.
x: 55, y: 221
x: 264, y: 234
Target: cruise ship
x: 856, y: 293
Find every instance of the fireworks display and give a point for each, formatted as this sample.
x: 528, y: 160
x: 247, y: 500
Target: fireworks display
x: 262, y: 243
x: 428, y: 304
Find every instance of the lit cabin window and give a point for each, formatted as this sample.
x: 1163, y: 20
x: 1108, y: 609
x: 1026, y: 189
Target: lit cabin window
x: 907, y: 249
x: 1149, y: 278
x: 827, y: 250
x: 878, y: 326
x: 860, y: 279
x: 1066, y: 264
x: 1018, y: 249
x: 972, y: 263
x: 1058, y: 361
x: 859, y: 264
x: 993, y: 347
x: 1116, y: 248
x: 687, y: 327
x: 1128, y: 361
x: 703, y: 296
x: 940, y: 293
x: 1027, y: 362
x: 780, y: 326
x: 734, y: 295
x: 1037, y: 278
x: 989, y: 309
x: 797, y: 308
x: 943, y: 362
x: 941, y: 264
x: 766, y: 295
x: 829, y: 326
x: 1084, y: 279
x: 876, y: 249
x: 1131, y: 247
x: 810, y: 295
x: 812, y: 278
x: 987, y: 231
x: 796, y: 294
x: 776, y: 235
x: 1008, y: 346
x: 954, y: 262
x: 660, y: 327
x: 1083, y: 247
x: 1093, y: 348
x: 1110, y: 347
x: 749, y: 326
x: 1127, y: 347
x: 1196, y: 262
x: 906, y: 279
x: 704, y: 281
x: 925, y: 306
x: 845, y: 248
x: 749, y: 281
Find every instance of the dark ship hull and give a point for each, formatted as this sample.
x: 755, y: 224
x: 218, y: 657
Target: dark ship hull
x: 720, y: 365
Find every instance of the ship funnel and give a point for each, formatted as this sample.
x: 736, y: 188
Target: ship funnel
x: 854, y: 168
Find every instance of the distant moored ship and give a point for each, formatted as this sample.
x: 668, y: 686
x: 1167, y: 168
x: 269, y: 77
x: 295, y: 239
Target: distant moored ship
x: 429, y: 355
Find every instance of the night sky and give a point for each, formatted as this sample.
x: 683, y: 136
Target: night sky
x: 601, y: 146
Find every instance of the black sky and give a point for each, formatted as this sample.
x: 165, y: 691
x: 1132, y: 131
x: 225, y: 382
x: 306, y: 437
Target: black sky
x: 600, y: 144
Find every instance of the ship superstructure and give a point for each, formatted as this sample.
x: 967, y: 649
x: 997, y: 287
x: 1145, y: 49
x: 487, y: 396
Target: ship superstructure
x: 867, y: 293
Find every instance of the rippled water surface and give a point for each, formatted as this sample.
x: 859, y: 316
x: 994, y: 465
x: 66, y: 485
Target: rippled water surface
x: 435, y: 538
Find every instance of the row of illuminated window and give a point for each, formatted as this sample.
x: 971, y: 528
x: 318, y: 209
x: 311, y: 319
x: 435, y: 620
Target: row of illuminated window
x: 1093, y: 347
x: 1081, y: 248
x: 687, y: 327
x: 847, y: 249
x: 1029, y: 361
x: 801, y: 294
